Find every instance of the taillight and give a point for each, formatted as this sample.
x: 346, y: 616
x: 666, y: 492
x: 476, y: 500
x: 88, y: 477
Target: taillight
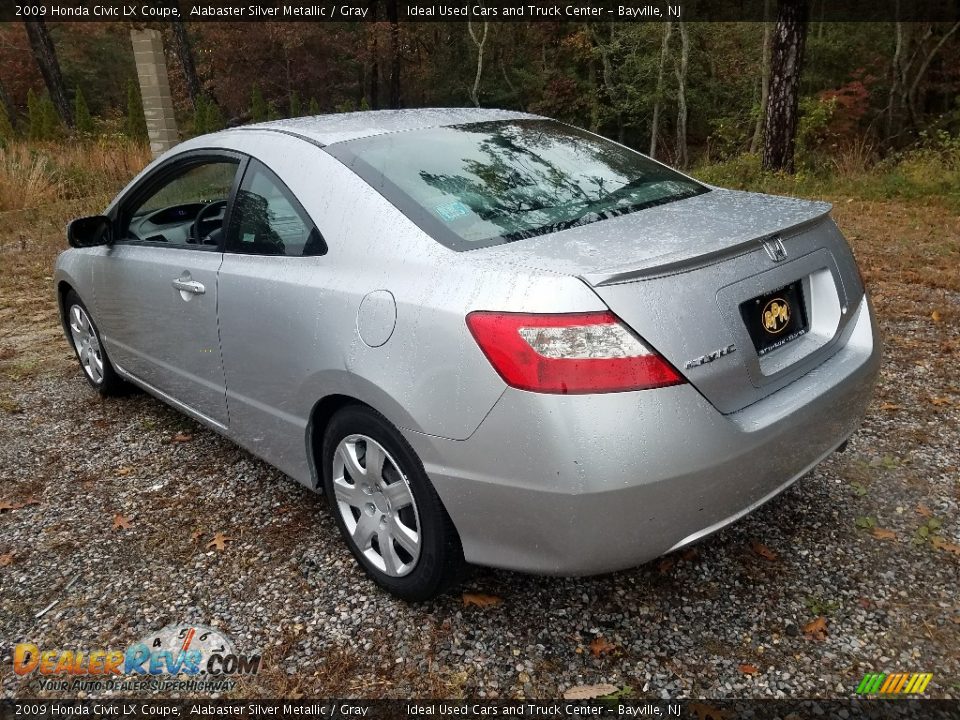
x: 569, y: 353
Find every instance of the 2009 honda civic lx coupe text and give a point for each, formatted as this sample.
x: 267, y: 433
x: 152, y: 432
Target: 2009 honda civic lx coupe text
x: 487, y: 336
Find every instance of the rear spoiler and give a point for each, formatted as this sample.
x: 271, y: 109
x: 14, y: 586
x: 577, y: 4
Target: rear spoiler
x: 670, y: 264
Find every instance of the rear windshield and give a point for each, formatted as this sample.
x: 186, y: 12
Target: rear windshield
x: 488, y: 183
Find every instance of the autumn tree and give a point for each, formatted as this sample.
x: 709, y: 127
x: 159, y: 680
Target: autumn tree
x: 184, y: 52
x: 46, y: 56
x: 780, y: 124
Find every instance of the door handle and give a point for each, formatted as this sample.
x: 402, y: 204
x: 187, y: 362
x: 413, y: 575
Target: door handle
x: 189, y: 286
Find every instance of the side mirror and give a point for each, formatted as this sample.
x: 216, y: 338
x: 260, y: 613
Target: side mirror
x: 89, y: 231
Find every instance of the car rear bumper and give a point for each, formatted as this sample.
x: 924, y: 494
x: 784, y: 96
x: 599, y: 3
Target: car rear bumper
x: 578, y: 485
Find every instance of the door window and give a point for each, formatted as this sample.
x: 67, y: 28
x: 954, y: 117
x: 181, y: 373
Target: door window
x: 268, y: 220
x: 185, y: 210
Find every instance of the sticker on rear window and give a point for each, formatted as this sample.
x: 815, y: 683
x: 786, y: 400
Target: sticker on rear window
x: 452, y: 210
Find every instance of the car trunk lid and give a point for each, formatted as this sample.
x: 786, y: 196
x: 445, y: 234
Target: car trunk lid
x: 679, y: 275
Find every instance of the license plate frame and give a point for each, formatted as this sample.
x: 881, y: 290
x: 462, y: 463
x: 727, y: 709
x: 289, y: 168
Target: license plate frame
x: 775, y: 318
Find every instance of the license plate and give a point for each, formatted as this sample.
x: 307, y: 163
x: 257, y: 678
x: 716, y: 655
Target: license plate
x: 776, y: 318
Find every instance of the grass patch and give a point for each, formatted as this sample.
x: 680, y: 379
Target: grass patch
x: 931, y: 171
x: 37, y: 174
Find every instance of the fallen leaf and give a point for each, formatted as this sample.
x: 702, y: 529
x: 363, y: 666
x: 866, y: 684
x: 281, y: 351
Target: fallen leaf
x: 589, y: 692
x: 889, y: 406
x: 196, y: 535
x: 708, y: 712
x: 883, y: 534
x: 816, y: 629
x: 865, y: 603
x: 601, y: 646
x: 120, y: 522
x: 936, y: 316
x: 181, y: 437
x: 666, y: 565
x: 124, y: 471
x: 219, y: 541
x: 30, y: 501
x: 924, y: 511
x: 940, y: 544
x: 6, y: 559
x: 748, y: 669
x: 691, y: 554
x: 763, y: 551
x: 480, y: 600
x: 939, y: 401
x: 8, y: 505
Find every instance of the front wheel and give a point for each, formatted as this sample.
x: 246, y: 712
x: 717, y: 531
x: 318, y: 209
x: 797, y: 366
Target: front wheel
x: 387, y: 510
x: 89, y: 348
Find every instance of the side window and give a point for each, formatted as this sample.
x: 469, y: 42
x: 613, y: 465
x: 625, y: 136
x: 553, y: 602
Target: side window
x: 187, y: 209
x: 268, y: 220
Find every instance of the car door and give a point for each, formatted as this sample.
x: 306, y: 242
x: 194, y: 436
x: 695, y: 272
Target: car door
x: 271, y: 295
x: 156, y: 285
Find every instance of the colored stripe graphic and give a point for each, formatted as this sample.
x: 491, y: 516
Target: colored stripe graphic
x: 894, y: 684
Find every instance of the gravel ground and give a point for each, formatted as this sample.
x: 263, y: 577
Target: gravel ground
x: 729, y: 618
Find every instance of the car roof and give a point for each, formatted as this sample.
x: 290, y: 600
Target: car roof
x: 342, y: 127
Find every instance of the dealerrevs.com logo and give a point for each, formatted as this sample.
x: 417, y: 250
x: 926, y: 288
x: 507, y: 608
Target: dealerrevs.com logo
x: 177, y: 658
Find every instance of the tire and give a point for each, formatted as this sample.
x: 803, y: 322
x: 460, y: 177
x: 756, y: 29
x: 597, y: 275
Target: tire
x: 85, y: 338
x: 392, y: 520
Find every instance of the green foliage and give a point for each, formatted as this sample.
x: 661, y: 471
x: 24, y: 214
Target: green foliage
x: 81, y: 114
x: 7, y: 131
x: 136, y: 124
x: 42, y: 119
x: 207, y: 117
x: 314, y: 107
x: 259, y: 111
x: 927, y: 531
x: 295, y: 109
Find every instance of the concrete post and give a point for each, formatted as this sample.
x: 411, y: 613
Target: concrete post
x: 155, y: 89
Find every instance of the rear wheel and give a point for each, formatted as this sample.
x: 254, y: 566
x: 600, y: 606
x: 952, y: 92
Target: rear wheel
x: 387, y: 510
x: 89, y: 348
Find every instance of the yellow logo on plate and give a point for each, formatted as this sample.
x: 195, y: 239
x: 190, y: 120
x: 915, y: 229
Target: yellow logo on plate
x: 776, y: 316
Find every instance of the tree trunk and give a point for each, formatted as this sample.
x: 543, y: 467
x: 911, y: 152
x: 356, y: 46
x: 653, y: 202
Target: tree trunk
x: 915, y: 83
x: 393, y: 18
x: 479, y: 42
x: 658, y: 97
x: 764, y: 78
x: 780, y: 125
x: 374, y: 55
x: 184, y: 53
x: 681, y: 72
x: 46, y: 57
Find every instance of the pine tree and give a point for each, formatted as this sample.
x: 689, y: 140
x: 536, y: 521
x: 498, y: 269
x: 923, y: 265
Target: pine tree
x: 34, y: 116
x: 295, y: 109
x: 81, y: 114
x: 258, y: 106
x: 207, y: 117
x: 136, y: 125
x: 50, y: 121
x: 7, y: 131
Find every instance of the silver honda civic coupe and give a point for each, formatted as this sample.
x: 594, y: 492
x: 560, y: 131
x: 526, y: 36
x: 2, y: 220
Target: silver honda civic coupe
x: 488, y: 337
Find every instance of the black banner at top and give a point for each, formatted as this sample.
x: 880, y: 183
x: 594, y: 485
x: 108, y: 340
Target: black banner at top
x: 631, y: 11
